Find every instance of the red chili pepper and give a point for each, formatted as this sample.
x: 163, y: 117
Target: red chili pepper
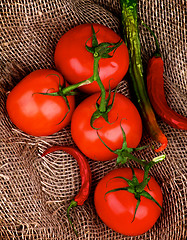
x: 155, y: 88
x: 85, y: 172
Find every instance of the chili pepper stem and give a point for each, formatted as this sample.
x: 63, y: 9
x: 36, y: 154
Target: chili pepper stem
x: 72, y: 204
x: 157, y: 52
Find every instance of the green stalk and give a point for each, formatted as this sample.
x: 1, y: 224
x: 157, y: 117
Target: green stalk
x: 96, y: 77
x: 157, y: 52
x: 72, y: 204
x: 147, y: 167
x: 68, y: 89
x: 99, y: 51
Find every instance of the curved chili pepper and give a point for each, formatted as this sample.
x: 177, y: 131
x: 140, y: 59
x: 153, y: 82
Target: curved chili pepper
x: 132, y: 40
x: 155, y: 87
x: 85, y: 173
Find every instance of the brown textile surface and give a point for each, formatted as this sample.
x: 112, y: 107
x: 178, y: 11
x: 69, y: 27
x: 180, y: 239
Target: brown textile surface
x: 35, y: 191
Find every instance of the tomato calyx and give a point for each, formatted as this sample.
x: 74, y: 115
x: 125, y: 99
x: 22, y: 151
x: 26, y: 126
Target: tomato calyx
x: 103, y: 49
x: 124, y: 154
x: 137, y: 188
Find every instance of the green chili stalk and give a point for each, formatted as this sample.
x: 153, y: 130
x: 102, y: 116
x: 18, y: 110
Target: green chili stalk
x: 132, y: 40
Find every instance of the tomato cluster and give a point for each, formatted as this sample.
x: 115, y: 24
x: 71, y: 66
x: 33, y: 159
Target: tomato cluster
x: 94, y: 59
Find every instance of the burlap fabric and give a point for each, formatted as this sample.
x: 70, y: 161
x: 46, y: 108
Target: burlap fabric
x: 35, y: 191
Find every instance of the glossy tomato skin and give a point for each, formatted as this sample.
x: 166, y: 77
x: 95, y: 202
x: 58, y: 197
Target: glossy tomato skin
x: 36, y: 114
x: 76, y: 63
x: 86, y: 138
x: 117, y: 209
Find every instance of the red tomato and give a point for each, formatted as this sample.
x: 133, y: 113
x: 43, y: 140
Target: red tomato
x: 117, y: 209
x: 86, y: 137
x: 37, y: 114
x: 76, y: 63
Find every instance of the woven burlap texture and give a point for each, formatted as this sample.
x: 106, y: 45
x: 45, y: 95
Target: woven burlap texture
x: 35, y: 191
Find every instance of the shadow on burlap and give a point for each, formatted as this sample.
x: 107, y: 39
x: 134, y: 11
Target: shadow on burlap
x: 35, y: 191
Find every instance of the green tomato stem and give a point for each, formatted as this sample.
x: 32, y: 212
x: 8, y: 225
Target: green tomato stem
x: 102, y: 105
x: 147, y: 167
x: 66, y: 90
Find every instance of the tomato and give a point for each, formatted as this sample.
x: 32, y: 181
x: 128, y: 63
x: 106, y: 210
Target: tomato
x: 86, y: 138
x: 36, y: 114
x: 76, y: 63
x: 116, y: 209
